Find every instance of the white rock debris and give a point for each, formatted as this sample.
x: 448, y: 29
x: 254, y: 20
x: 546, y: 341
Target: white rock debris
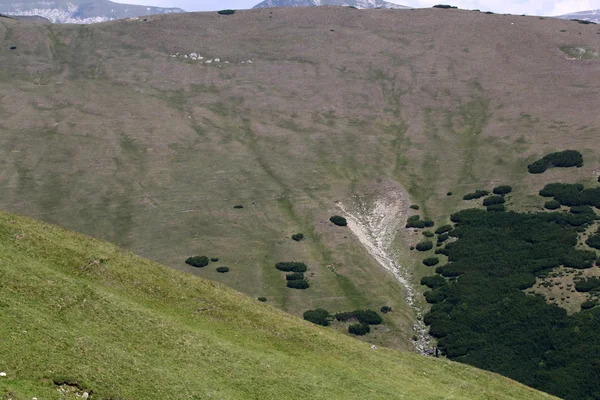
x: 2, y: 373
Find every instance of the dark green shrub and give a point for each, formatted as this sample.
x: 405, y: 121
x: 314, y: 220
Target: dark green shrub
x: 319, y: 316
x: 369, y: 317
x: 428, y: 234
x: 298, y: 237
x: 552, y: 205
x: 197, y: 261
x: 359, y: 329
x: 291, y: 266
x: 416, y: 207
x: 299, y: 284
x: 222, y: 270
x: 425, y: 245
x: 496, y: 207
x: 214, y: 259
x: 492, y: 200
x: 443, y: 237
x: 443, y: 229
x: 433, y: 282
x: 502, y: 190
x: 435, y: 296
x: 338, y: 220
x: 594, y: 241
x: 475, y: 195
x: 415, y: 221
x: 226, y: 12
x: 238, y: 206
x: 584, y: 22
x: 444, y: 6
x: 449, y: 194
x: 580, y: 259
x: 587, y: 285
x: 586, y: 305
x: 560, y: 159
x: 263, y: 299
x: 385, y: 309
x: 431, y: 261
x: 294, y: 276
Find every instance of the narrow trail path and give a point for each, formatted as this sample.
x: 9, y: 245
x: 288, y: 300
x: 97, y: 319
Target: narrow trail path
x: 375, y: 226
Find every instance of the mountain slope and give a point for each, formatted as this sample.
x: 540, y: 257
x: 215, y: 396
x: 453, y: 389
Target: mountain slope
x: 591, y: 15
x: 107, y: 129
x: 308, y: 3
x: 104, y: 321
x: 79, y: 11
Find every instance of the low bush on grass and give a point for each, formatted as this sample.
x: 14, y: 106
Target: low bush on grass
x: 226, y: 12
x: 560, y: 159
x: 319, y: 316
x: 262, y: 299
x: 552, y: 205
x: 496, y: 207
x: 431, y: 261
x: 444, y: 6
x: 338, y: 220
x: 425, y: 245
x: 428, y: 234
x: 238, y: 206
x: 475, y: 195
x: 586, y: 305
x: 294, y: 276
x: 572, y: 194
x: 298, y: 237
x: 433, y: 282
x: 443, y: 229
x: 359, y: 329
x: 298, y: 284
x: 369, y: 317
x: 291, y: 266
x: 489, y: 201
x: 197, y: 261
x: 385, y: 309
x: 214, y: 259
x: 415, y: 221
x: 594, y: 241
x: 502, y: 190
x: 222, y: 270
x: 416, y: 207
x: 443, y: 237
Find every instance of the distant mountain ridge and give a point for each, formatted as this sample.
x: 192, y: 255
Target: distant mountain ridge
x: 362, y: 4
x: 590, y: 15
x: 79, y: 11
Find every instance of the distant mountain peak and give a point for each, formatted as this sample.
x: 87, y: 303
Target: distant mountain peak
x: 79, y: 11
x: 590, y: 15
x: 311, y: 3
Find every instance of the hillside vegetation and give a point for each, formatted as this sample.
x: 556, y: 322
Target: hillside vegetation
x: 120, y: 131
x: 82, y: 316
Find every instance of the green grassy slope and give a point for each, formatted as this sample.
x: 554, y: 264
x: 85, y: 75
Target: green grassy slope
x: 105, y: 133
x: 77, y: 309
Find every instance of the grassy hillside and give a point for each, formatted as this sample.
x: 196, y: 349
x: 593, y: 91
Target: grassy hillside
x: 105, y: 132
x: 77, y: 310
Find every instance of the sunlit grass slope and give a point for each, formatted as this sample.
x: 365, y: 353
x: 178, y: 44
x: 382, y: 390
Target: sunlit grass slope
x: 77, y: 309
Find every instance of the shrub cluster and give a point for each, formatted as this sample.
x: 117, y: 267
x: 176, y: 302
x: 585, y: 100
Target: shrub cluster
x: 562, y: 159
x: 222, y: 270
x: 298, y: 237
x: 359, y: 329
x: 415, y: 221
x: 431, y: 261
x: 502, y: 190
x: 338, y: 220
x: 433, y: 282
x: 385, y: 309
x: 238, y: 206
x: 425, y: 245
x: 552, y: 205
x: 428, y: 234
x: 594, y: 241
x: 475, y: 195
x: 588, y: 304
x: 197, y: 261
x: 496, y: 207
x: 319, y: 316
x: 291, y: 266
x: 484, y: 318
x: 444, y: 6
x: 294, y: 276
x: 214, y: 259
x: 591, y: 284
x: 226, y: 12
x: 416, y: 207
x: 262, y: 299
x: 572, y: 194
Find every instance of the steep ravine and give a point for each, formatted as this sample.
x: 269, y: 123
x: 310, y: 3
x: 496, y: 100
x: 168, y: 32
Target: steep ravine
x: 375, y: 225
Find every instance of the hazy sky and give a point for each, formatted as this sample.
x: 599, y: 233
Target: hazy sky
x: 534, y: 7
